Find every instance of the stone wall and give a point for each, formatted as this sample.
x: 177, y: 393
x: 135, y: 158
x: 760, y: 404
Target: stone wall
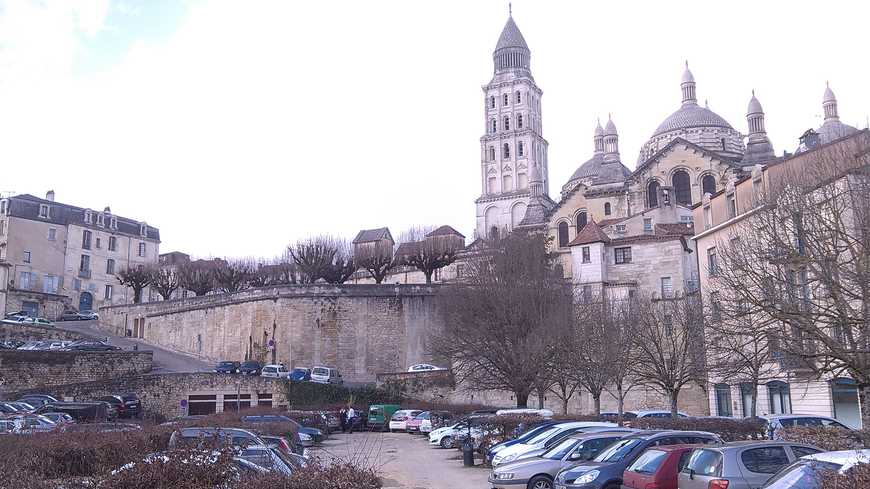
x: 173, y: 395
x: 35, y: 332
x: 360, y: 329
x: 41, y: 369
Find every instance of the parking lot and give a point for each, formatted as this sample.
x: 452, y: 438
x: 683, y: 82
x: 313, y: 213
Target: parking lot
x: 405, y: 461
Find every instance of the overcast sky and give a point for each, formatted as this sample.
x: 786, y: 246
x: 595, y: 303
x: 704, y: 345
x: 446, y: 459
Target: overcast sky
x: 239, y: 126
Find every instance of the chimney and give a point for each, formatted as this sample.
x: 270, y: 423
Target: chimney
x: 49, y: 196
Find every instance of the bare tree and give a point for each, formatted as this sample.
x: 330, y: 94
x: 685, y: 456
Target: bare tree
x: 313, y: 257
x: 669, y: 342
x: 165, y: 281
x: 593, y: 342
x: 137, y: 278
x: 564, y: 383
x: 622, y: 352
x: 233, y: 275
x: 376, y: 258
x: 429, y: 249
x: 342, y: 265
x: 502, y: 323
x: 197, y: 276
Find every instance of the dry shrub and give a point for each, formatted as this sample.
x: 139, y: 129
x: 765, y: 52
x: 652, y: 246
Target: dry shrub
x: 728, y: 429
x: 340, y: 476
x: 856, y: 477
x: 178, y: 469
x: 828, y: 438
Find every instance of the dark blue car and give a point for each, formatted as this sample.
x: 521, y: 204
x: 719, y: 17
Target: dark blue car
x: 227, y: 368
x: 300, y: 374
x: 537, y: 428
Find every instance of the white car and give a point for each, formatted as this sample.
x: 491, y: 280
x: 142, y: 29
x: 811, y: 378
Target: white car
x: 399, y: 420
x: 546, y: 438
x: 424, y: 367
x: 659, y: 413
x: 806, y: 471
x: 445, y: 437
x: 274, y: 371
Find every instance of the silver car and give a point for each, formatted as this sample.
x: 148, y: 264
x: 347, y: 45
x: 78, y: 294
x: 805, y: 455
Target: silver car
x: 538, y: 472
x: 740, y: 465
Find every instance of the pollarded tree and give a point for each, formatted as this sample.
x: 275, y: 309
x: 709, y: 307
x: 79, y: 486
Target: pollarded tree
x: 313, y: 257
x: 233, y: 275
x: 501, y: 323
x: 373, y: 252
x: 342, y: 265
x: 429, y: 249
x: 137, y: 278
x: 165, y: 281
x: 197, y: 276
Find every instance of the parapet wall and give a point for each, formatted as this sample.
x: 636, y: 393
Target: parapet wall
x: 41, y: 369
x: 24, y: 332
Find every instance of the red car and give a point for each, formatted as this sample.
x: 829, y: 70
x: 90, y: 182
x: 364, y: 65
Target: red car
x: 413, y: 424
x: 657, y: 467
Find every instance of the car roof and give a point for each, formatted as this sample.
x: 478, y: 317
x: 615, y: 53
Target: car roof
x: 786, y: 416
x: 604, y: 434
x: 277, y: 365
x: 741, y: 444
x: 841, y: 457
x: 680, y: 447
x: 649, y: 434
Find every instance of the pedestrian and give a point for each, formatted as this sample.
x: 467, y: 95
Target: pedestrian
x: 342, y: 418
x: 351, y: 414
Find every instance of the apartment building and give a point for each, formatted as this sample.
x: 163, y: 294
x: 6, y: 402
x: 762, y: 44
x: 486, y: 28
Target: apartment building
x: 55, y: 256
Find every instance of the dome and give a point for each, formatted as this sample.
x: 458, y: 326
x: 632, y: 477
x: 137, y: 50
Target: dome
x: 689, y: 116
x: 833, y: 130
x: 610, y: 128
x: 754, y: 105
x: 599, y: 172
x: 687, y: 75
x: 829, y: 95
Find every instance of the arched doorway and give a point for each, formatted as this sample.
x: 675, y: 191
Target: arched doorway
x: 652, y: 193
x: 86, y: 301
x: 844, y: 396
x: 682, y: 187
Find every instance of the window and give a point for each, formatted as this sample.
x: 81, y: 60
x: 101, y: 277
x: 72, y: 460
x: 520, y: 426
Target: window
x: 108, y: 294
x: 708, y: 217
x: 113, y: 223
x: 97, y: 243
x: 113, y: 243
x: 143, y: 230
x: 507, y: 123
x: 25, y: 280
x: 581, y: 221
x: 519, y: 121
x: 647, y: 224
x: 607, y: 208
x: 492, y: 102
x: 652, y: 194
x: 505, y: 99
x: 110, y: 266
x: 506, y: 151
x: 563, y: 234
x: 142, y: 249
x: 723, y: 144
x: 493, y: 232
x: 622, y: 255
x: 520, y: 151
x: 85, y: 263
x: 491, y: 185
x: 800, y: 451
x: 732, y: 206
x: 77, y: 284
x: 88, y: 217
x: 493, y: 126
x: 765, y: 460
x: 44, y: 211
x: 711, y: 261
x: 682, y: 187
x: 519, y: 97
x: 715, y: 307
x: 586, y: 293
x: 4, y: 204
x: 620, y: 228
x: 705, y: 463
x: 49, y: 284
x: 492, y: 153
x: 779, y: 396
x: 52, y: 234
x: 723, y: 399
x: 708, y: 185
x: 586, y: 255
x: 667, y: 287
x: 2, y: 228
x: 26, y: 257
x: 86, y: 240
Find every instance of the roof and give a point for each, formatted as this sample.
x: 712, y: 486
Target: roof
x: 677, y: 229
x: 754, y: 105
x: 677, y: 141
x: 590, y: 233
x: 407, y: 249
x: 370, y: 235
x: 445, y: 231
x: 601, y: 172
x: 691, y: 115
x: 26, y: 206
x: 511, y: 37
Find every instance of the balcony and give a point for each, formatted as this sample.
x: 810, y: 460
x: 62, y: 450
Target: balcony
x: 85, y: 273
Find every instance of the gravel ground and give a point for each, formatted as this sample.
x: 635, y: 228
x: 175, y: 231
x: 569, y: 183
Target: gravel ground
x: 405, y: 461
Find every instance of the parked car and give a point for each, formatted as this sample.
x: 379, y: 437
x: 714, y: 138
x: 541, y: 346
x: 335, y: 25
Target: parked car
x: 422, y: 423
x: 85, y: 345
x: 539, y: 472
x: 524, y: 435
x: 37, y: 321
x: 446, y: 437
x: 658, y: 413
x: 297, y: 428
x: 22, y: 407
x: 285, y: 446
x: 6, y: 408
x: 806, y: 473
x: 547, y: 438
x: 250, y: 368
x: 195, y: 435
x: 776, y: 422
x: 82, y: 412
x: 60, y: 418
x: 740, y: 465
x: 274, y: 371
x: 37, y: 400
x: 436, y: 419
x: 133, y: 404
x: 32, y: 423
x: 89, y: 316
x: 326, y: 375
x: 104, y: 427
x: 380, y: 414
x: 424, y: 367
x: 613, y: 415
x: 399, y: 419
x: 227, y: 367
x: 269, y: 458
x: 605, y: 471
x: 70, y: 316
x: 118, y: 404
x: 544, y: 413
x: 300, y: 374
x: 657, y: 467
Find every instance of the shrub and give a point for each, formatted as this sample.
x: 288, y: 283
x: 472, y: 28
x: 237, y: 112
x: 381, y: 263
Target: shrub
x: 341, y: 476
x: 857, y: 476
x: 828, y: 438
x: 728, y: 429
x: 181, y: 469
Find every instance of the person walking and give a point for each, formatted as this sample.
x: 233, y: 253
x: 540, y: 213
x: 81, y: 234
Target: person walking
x: 351, y: 414
x: 342, y: 418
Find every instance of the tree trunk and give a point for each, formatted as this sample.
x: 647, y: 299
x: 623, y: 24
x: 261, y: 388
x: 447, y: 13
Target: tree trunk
x: 864, y: 399
x: 428, y: 274
x: 620, y: 402
x: 674, y: 395
x: 565, y: 406
x: 522, y: 396
x: 596, y: 403
x: 540, y: 399
x: 754, y: 395
x: 137, y: 295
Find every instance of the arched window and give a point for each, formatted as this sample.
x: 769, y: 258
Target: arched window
x: 519, y: 120
x: 506, y: 151
x: 493, y: 232
x: 682, y: 187
x: 779, y: 397
x: 505, y: 99
x: 507, y: 123
x: 493, y: 126
x: 708, y: 185
x: 492, y: 153
x: 519, y: 98
x: 723, y: 399
x: 581, y: 221
x: 607, y: 208
x: 652, y: 194
x: 492, y: 102
x: 563, y: 234
x: 520, y: 151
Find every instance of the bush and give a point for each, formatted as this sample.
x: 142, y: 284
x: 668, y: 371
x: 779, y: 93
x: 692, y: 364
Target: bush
x: 343, y: 476
x: 828, y: 438
x: 728, y: 429
x: 857, y: 476
x: 300, y: 394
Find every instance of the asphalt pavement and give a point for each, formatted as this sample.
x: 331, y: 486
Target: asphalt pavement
x: 165, y: 361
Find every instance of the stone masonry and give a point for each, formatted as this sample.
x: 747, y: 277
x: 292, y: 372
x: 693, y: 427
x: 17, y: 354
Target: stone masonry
x: 41, y: 369
x: 36, y: 333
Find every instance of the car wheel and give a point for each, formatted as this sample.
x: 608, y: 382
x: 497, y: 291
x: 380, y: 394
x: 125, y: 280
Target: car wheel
x: 447, y: 442
x: 541, y: 482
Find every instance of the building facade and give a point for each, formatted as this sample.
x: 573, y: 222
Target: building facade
x: 58, y: 256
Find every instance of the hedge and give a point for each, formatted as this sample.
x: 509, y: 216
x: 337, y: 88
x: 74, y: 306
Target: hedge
x: 856, y: 477
x: 828, y: 438
x: 729, y: 429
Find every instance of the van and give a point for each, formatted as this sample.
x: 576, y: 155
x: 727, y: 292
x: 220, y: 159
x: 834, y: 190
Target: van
x: 380, y: 414
x: 326, y: 375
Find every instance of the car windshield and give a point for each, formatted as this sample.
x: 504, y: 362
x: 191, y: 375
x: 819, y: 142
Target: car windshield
x: 649, y: 462
x: 250, y: 364
x: 704, y: 462
x: 618, y: 450
x: 559, y: 451
x: 803, y: 474
x: 300, y: 370
x: 543, y: 435
x: 225, y: 364
x: 320, y: 371
x: 532, y: 432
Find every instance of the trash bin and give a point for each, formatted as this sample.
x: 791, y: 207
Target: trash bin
x: 468, y: 452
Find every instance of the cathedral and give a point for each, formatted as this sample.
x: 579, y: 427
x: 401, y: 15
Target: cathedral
x: 614, y: 228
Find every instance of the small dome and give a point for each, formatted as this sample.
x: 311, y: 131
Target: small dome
x: 754, y: 105
x: 598, y: 129
x: 610, y: 128
x: 829, y: 95
x: 687, y: 75
x: 599, y: 172
x: 691, y: 116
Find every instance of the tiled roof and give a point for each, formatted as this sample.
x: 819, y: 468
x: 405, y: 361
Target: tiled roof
x: 407, y: 249
x: 600, y: 172
x: 608, y: 222
x: 675, y: 229
x: 369, y: 235
x: 511, y: 37
x: 445, y: 231
x: 590, y: 233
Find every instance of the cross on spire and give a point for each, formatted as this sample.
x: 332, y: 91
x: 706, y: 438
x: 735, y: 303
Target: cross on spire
x: 510, y: 9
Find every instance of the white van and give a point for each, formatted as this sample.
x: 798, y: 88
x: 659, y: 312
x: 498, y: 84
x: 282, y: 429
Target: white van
x: 326, y: 375
x: 544, y: 413
x: 274, y: 371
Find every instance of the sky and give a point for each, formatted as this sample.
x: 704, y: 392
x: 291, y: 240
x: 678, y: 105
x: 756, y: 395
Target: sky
x: 239, y: 127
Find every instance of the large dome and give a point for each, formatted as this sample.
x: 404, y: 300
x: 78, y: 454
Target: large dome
x: 690, y: 116
x: 597, y: 171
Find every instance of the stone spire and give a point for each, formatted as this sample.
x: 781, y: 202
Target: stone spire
x: 758, y: 146
x: 611, y: 141
x: 599, y: 138
x: 829, y: 102
x: 687, y: 84
x: 511, y: 51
